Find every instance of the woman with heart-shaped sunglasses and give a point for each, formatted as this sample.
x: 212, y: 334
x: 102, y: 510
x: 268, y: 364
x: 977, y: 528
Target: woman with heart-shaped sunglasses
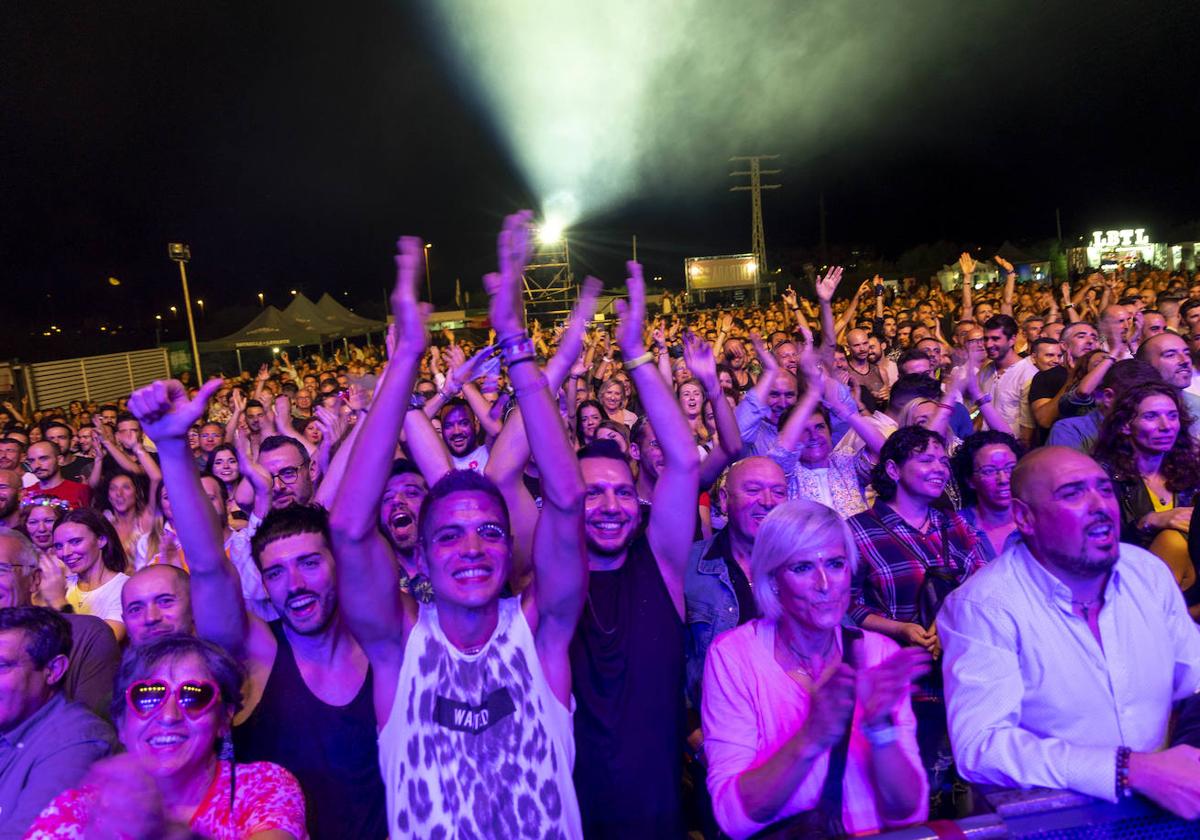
x: 173, y: 704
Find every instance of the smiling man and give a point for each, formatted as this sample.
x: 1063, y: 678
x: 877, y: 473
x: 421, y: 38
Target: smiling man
x: 307, y: 674
x: 45, y: 461
x: 1064, y: 656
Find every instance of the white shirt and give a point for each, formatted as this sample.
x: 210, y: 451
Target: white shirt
x: 1006, y: 388
x: 475, y: 460
x: 1194, y: 388
x: 103, y: 602
x: 1034, y: 701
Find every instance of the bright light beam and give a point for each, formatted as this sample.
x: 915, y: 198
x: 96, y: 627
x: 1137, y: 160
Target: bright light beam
x: 600, y: 102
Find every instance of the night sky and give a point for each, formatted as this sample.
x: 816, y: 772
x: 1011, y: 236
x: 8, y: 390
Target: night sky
x: 290, y: 143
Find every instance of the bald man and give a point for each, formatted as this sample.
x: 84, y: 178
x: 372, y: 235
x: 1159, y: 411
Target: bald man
x: 10, y: 499
x: 1170, y: 356
x: 716, y: 584
x: 1063, y: 657
x: 155, y: 602
x: 865, y: 372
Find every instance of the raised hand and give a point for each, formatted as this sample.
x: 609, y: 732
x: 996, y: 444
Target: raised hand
x: 51, y: 582
x: 409, y: 315
x: 632, y: 314
x: 504, y: 287
x: 264, y: 373
x: 881, y: 688
x: 359, y: 398
x: 164, y: 410
x: 789, y: 298
x: 698, y: 356
x: 827, y: 285
x: 765, y: 357
x: 238, y: 398
x: 1003, y: 263
x: 966, y: 263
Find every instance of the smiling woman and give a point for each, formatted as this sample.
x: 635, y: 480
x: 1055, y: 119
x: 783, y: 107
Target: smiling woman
x: 174, y: 705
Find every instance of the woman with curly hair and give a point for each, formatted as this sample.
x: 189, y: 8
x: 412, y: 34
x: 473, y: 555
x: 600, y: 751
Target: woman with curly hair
x: 1155, y: 467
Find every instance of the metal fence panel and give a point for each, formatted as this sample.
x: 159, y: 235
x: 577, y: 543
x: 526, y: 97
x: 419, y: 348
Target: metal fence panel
x: 95, y: 378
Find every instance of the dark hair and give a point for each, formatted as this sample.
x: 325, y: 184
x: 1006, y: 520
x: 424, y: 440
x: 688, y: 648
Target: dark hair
x: 912, y: 354
x: 1005, y: 323
x: 47, y: 634
x: 450, y: 405
x: 1180, y: 466
x: 913, y: 386
x: 1046, y: 342
x: 289, y: 522
x: 47, y: 425
x: 596, y: 404
x: 602, y: 448
x: 212, y: 457
x: 141, y: 489
x: 109, y: 407
x: 639, y: 427
x: 1126, y: 373
x: 113, y: 553
x: 125, y: 417
x: 139, y: 661
x: 963, y: 460
x: 273, y: 442
x: 458, y: 481
x: 898, y: 448
x: 403, y: 466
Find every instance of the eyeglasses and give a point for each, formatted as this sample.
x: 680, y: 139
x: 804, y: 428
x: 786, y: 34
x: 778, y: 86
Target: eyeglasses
x: 991, y: 472
x: 194, y: 697
x: 287, y: 475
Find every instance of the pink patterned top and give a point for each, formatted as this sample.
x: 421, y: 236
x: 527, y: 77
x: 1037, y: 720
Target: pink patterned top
x: 268, y: 797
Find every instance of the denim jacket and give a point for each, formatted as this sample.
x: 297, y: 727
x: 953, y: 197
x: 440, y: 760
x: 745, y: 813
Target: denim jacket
x: 711, y: 605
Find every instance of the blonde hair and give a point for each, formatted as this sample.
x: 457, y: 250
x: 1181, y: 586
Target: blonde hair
x: 791, y: 530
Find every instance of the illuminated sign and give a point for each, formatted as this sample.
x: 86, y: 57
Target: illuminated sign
x: 1127, y: 238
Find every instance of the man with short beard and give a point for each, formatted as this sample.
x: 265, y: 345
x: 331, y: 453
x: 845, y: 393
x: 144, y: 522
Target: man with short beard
x: 289, y: 468
x: 44, y: 457
x: 308, y: 700
x: 10, y: 499
x: 1169, y: 355
x: 1077, y: 339
x: 156, y: 601
x: 1087, y: 707
x: 74, y: 467
x: 460, y: 432
x: 627, y: 662
x: 401, y: 505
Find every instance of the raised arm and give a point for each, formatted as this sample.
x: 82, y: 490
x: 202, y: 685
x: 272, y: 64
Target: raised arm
x: 676, y: 493
x: 367, y: 576
x: 1010, y: 281
x: 967, y: 265
x: 700, y: 361
x: 282, y: 418
x: 826, y: 287
x: 847, y: 317
x: 559, y: 550
x: 166, y: 414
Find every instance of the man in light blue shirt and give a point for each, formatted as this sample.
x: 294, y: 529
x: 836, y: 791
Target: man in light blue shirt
x: 1070, y: 648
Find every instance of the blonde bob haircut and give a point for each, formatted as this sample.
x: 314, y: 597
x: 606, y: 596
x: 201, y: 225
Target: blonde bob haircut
x: 793, y: 530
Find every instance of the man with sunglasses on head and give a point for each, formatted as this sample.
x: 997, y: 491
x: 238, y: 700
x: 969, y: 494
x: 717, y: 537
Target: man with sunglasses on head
x: 473, y: 691
x: 47, y: 743
x: 308, y: 699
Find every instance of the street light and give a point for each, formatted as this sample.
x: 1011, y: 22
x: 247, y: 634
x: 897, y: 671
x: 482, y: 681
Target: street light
x: 181, y: 253
x: 174, y: 311
x: 428, y: 285
x: 261, y: 300
x: 200, y: 303
x: 294, y: 292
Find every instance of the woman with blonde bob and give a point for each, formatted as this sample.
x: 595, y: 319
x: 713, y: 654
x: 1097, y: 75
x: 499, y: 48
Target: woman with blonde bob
x: 807, y: 721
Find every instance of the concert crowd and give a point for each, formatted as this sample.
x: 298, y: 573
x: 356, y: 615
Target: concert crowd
x: 813, y: 568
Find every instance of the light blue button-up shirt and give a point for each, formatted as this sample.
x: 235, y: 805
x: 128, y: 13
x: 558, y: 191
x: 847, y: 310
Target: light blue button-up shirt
x: 1034, y: 701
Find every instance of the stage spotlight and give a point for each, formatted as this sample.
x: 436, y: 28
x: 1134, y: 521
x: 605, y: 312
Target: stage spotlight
x: 551, y: 232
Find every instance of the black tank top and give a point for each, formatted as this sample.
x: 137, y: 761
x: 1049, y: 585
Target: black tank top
x: 627, y: 674
x: 331, y: 750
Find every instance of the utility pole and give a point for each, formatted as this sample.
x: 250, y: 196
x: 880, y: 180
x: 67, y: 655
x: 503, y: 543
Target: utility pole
x: 181, y: 253
x: 756, y: 186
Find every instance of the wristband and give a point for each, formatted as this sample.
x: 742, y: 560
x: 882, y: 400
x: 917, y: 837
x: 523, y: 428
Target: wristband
x: 1124, y: 791
x: 511, y: 338
x: 881, y: 736
x: 984, y: 400
x: 532, y: 387
x: 517, y: 349
x: 638, y: 361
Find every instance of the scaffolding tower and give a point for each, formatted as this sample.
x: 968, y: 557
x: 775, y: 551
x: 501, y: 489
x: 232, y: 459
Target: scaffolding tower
x: 548, y: 284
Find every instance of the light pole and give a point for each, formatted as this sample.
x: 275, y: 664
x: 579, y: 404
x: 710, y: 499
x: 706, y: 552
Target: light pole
x: 261, y: 300
x: 428, y: 285
x: 181, y: 253
x: 200, y: 303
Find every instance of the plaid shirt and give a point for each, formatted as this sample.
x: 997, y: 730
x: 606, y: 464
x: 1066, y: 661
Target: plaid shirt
x: 889, y: 572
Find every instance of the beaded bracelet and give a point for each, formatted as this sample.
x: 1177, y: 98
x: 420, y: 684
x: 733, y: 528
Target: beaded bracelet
x: 1123, y: 788
x: 638, y: 361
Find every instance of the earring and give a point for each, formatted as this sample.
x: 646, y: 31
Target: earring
x: 225, y: 753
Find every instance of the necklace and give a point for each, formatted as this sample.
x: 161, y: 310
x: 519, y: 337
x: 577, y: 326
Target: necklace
x: 807, y: 660
x: 596, y: 619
